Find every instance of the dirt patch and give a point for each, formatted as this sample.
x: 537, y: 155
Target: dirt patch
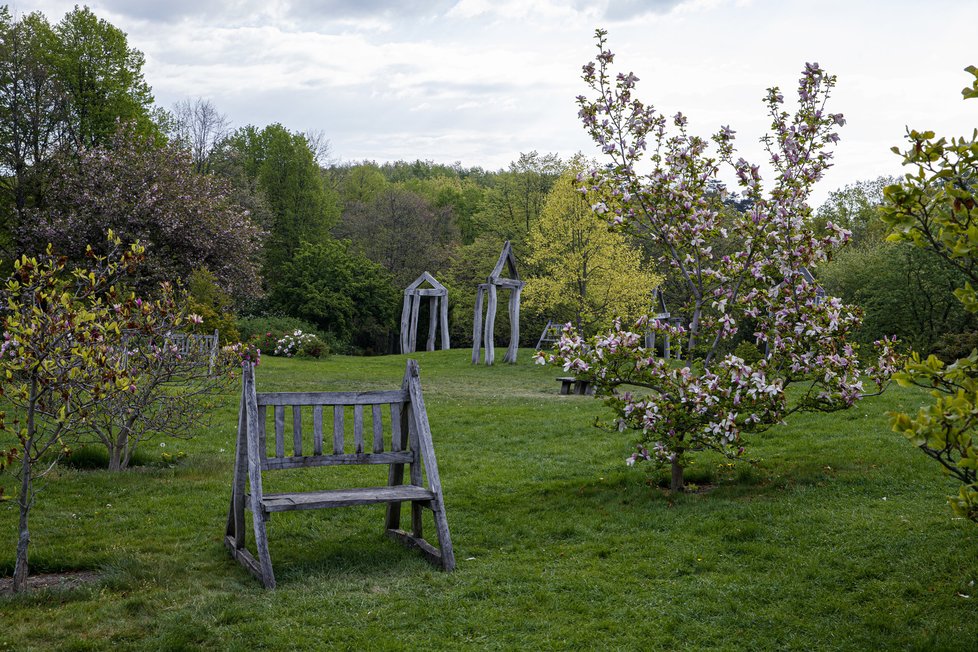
x: 67, y: 580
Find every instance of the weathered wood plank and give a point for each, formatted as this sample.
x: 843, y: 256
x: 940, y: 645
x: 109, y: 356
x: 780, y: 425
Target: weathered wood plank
x: 477, y: 326
x: 395, y: 475
x: 337, y: 429
x: 413, y: 334
x: 285, y: 502
x: 432, y: 323
x: 445, y: 342
x: 510, y: 283
x: 358, y: 429
x: 332, y: 398
x: 378, y: 424
x: 430, y: 464
x: 266, y: 574
x: 345, y: 459
x: 429, y: 551
x: 405, y: 322
x: 297, y: 430
x: 431, y: 292
x: 490, y: 334
x: 317, y: 429
x: 279, y: 431
x: 514, y: 324
x: 262, y: 441
x: 396, y: 441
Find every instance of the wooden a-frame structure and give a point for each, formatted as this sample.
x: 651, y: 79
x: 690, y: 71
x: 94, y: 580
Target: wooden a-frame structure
x: 407, y: 442
x: 437, y: 313
x: 485, y: 332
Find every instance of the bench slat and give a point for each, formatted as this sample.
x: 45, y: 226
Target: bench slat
x: 317, y: 429
x: 378, y: 429
x: 337, y: 429
x: 285, y: 502
x: 396, y: 426
x: 297, y: 430
x: 310, y: 461
x: 279, y: 431
x: 358, y: 428
x: 332, y: 398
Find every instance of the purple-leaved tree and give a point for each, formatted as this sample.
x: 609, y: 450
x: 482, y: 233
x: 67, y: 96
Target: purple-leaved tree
x: 739, y: 270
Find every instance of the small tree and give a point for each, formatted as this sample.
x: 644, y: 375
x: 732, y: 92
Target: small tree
x: 172, y: 377
x: 56, y: 361
x: 936, y: 207
x: 738, y: 268
x: 582, y: 272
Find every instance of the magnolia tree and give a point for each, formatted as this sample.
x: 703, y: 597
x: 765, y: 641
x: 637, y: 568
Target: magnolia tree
x: 936, y: 207
x: 174, y: 377
x: 739, y: 270
x: 56, y: 362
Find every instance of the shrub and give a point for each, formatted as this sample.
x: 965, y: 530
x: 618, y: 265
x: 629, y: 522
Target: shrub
x: 273, y: 327
x: 299, y: 344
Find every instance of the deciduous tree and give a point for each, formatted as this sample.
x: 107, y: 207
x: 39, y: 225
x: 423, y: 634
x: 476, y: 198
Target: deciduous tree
x: 714, y: 397
x: 935, y: 206
x: 57, y: 361
x: 583, y: 273
x: 151, y: 193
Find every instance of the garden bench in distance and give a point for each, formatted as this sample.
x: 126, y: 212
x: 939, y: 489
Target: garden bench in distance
x: 410, y: 438
x: 580, y: 386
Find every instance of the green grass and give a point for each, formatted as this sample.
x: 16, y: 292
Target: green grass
x: 838, y: 538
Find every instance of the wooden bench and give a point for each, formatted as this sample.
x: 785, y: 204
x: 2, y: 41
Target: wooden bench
x: 579, y: 386
x: 410, y: 444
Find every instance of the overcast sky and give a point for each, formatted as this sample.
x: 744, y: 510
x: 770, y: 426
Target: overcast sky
x: 479, y: 81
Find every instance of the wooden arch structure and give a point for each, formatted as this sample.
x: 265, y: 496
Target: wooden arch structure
x: 437, y: 312
x: 484, y: 331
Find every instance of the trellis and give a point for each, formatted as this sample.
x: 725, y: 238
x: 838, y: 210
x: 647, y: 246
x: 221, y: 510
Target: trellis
x: 485, y: 331
x: 437, y: 312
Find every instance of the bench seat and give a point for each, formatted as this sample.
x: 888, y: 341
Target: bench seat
x: 287, y: 502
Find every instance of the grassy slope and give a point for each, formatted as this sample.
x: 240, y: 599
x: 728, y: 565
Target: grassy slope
x: 838, y: 539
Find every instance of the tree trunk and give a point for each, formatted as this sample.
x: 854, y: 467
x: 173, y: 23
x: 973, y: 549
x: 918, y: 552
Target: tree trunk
x: 115, y: 458
x: 23, y: 534
x: 677, y: 477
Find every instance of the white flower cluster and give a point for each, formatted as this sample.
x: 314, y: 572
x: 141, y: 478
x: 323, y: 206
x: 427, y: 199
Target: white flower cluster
x: 289, y: 345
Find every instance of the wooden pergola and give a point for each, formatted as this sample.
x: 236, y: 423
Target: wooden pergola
x: 484, y: 332
x: 437, y: 312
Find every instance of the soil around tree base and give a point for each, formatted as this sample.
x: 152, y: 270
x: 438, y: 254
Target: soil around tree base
x: 66, y: 580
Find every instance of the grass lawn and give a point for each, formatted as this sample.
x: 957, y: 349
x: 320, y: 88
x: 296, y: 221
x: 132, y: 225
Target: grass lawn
x: 838, y: 538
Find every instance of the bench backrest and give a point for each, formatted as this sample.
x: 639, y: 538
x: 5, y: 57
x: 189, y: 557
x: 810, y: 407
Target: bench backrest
x: 326, y: 445
x: 408, y: 427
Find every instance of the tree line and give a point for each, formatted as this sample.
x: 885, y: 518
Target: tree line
x: 261, y: 220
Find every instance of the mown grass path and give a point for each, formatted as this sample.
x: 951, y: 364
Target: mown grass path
x: 838, y: 538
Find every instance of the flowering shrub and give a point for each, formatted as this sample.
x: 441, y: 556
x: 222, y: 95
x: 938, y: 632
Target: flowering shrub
x: 246, y: 352
x: 300, y: 344
x: 736, y: 268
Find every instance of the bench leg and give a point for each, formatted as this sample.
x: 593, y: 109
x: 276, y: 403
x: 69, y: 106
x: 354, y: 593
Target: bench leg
x: 261, y: 543
x: 565, y: 387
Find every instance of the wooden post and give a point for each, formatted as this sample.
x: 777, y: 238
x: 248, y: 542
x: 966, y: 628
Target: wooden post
x: 477, y: 326
x: 445, y: 343
x: 405, y: 323
x: 490, y: 334
x: 432, y: 322
x: 415, y: 309
x: 514, y: 324
x: 254, y: 478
